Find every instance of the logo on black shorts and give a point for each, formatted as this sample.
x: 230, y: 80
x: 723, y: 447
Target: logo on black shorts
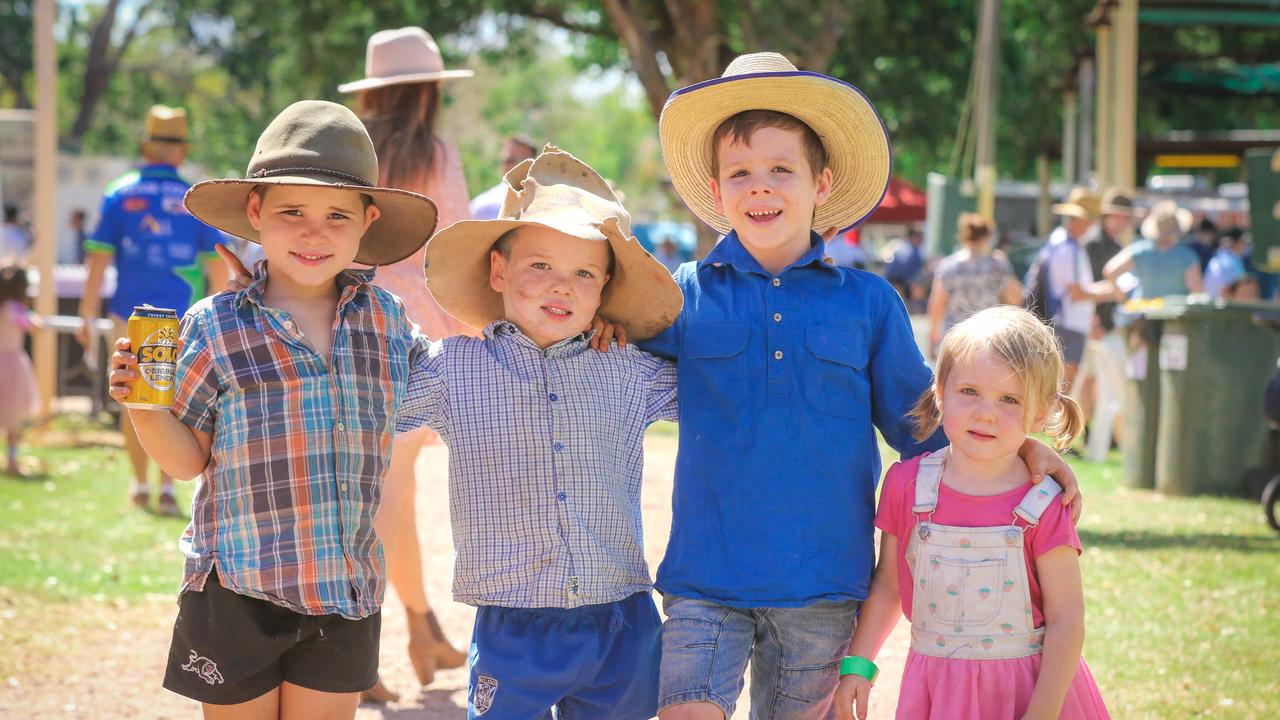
x: 205, y: 668
x: 486, y: 688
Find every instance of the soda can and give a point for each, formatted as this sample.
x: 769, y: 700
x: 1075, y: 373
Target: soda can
x: 153, y: 335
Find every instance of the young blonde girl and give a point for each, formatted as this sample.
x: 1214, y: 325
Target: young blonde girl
x: 983, y: 563
x: 19, y: 399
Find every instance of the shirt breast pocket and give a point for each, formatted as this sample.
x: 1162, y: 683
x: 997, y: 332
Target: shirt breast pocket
x: 715, y: 362
x: 835, y: 372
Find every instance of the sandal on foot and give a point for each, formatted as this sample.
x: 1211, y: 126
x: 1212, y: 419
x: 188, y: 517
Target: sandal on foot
x: 140, y: 497
x: 379, y: 694
x: 168, y: 505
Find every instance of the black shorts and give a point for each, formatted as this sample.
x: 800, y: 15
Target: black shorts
x: 229, y: 648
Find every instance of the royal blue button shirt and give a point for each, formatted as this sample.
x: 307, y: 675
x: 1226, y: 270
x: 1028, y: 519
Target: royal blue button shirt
x: 783, y: 380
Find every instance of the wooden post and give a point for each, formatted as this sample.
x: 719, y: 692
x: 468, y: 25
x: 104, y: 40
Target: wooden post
x: 987, y: 98
x: 1044, y: 202
x: 1125, y: 93
x: 1069, y: 135
x: 1084, y: 164
x: 45, y: 344
x: 1105, y: 152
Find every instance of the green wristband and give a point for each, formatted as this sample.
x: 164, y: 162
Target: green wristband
x: 854, y: 665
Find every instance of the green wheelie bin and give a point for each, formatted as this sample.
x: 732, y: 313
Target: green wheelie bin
x: 1214, y: 364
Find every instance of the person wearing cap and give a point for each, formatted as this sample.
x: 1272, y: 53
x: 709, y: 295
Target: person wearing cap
x: 398, y: 101
x: 162, y: 256
x: 1072, y: 289
x: 288, y: 392
x: 1101, y: 387
x: 1164, y: 267
x: 771, y: 544
x: 546, y: 443
x: 515, y: 150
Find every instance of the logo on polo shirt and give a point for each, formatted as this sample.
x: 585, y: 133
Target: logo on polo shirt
x: 486, y: 688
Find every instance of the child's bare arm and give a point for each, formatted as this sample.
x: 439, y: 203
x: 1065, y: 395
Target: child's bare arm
x: 1059, y: 571
x: 876, y: 620
x: 179, y: 450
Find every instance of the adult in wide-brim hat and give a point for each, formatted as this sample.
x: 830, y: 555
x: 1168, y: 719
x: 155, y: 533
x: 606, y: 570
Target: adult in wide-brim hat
x: 166, y: 125
x: 1166, y: 218
x: 855, y: 138
x: 1081, y: 203
x: 314, y: 143
x: 400, y: 57
x: 557, y: 191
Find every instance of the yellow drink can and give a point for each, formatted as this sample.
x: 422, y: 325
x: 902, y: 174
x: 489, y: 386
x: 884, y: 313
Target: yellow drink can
x: 153, y: 335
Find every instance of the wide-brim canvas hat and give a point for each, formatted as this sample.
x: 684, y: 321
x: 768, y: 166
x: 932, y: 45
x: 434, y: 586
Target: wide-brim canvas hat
x: 165, y: 124
x: 315, y: 143
x: 1081, y: 203
x: 844, y: 119
x: 1117, y: 202
x: 1162, y: 212
x: 557, y: 191
x: 402, y: 57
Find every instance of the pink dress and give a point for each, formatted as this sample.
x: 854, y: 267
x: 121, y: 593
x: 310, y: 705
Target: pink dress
x: 938, y: 686
x: 20, y: 397
x: 447, y: 186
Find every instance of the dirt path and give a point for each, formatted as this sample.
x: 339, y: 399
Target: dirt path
x: 108, y: 661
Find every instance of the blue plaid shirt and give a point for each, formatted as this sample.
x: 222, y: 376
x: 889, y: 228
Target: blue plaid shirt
x: 546, y: 452
x: 285, y: 508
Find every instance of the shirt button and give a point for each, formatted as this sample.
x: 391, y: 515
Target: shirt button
x: 777, y: 354
x: 340, y: 426
x: 561, y: 496
x: 344, y: 487
x: 553, y: 397
x: 558, y: 447
x: 288, y: 324
x: 777, y: 282
x: 777, y: 317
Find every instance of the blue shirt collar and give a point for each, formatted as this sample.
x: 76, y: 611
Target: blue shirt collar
x: 730, y: 251
x: 156, y: 170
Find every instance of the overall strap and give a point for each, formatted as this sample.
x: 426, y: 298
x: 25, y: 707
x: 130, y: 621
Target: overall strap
x: 928, y: 479
x: 1036, y: 501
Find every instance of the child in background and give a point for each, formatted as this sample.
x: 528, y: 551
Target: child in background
x: 20, y: 398
x: 287, y: 395
x: 984, y: 563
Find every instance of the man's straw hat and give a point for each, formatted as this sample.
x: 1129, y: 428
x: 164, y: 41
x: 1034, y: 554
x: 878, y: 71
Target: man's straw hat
x: 1081, y: 203
x: 856, y: 141
x: 402, y: 57
x: 314, y: 143
x: 165, y: 124
x: 1162, y: 213
x: 558, y: 191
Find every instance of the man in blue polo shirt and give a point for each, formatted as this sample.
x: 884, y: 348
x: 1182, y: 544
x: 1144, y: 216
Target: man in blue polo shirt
x: 162, y: 255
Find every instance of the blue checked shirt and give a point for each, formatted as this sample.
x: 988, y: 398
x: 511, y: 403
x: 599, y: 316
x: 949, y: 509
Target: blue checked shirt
x: 546, y: 450
x: 784, y: 380
x: 286, y: 505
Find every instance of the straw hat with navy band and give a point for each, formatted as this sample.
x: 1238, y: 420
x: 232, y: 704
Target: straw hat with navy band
x: 315, y: 143
x: 855, y: 138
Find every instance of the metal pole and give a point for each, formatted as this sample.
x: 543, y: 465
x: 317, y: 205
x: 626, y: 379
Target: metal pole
x: 1084, y: 165
x: 984, y: 173
x: 1069, y: 135
x: 45, y: 345
x: 1125, y: 83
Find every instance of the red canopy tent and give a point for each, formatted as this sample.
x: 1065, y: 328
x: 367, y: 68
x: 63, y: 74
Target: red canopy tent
x: 903, y: 204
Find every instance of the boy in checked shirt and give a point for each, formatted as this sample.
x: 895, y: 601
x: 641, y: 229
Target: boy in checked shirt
x: 286, y: 399
x: 545, y: 443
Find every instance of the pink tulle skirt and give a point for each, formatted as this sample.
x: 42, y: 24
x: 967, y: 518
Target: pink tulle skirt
x: 19, y: 397
x: 942, y: 689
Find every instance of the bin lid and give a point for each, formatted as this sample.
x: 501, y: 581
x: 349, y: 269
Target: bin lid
x: 1175, y: 307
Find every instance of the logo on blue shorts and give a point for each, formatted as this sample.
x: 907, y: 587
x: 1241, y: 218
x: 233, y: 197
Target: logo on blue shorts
x: 486, y: 688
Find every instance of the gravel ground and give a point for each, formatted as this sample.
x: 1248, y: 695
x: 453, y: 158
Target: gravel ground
x: 106, y: 660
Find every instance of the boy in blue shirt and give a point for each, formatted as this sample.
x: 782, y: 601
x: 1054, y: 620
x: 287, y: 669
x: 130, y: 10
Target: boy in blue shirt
x: 778, y: 351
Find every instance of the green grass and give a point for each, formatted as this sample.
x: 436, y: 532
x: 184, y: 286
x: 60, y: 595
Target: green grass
x: 1183, y: 594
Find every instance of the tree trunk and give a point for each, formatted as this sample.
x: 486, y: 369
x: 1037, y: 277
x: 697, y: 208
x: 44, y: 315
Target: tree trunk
x: 101, y: 62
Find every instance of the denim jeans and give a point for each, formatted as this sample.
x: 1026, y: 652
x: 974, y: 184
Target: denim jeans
x: 795, y: 654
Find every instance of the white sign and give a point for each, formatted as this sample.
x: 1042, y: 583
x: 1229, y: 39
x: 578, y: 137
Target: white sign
x: 1173, y: 352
